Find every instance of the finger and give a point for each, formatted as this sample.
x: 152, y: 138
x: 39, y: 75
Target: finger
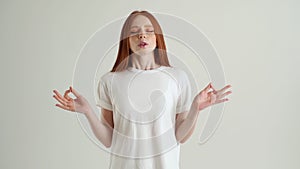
x: 207, y: 87
x: 59, y: 100
x: 66, y: 95
x: 74, y: 92
x: 60, y: 96
x: 210, y: 93
x: 225, y: 94
x: 224, y: 88
x: 222, y: 100
x: 213, y: 98
x: 214, y: 90
x: 63, y: 107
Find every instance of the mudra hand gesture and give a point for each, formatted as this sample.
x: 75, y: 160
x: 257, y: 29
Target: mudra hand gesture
x: 207, y: 98
x: 79, y: 104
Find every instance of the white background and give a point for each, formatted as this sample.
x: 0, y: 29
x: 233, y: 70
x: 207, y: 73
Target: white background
x: 258, y: 45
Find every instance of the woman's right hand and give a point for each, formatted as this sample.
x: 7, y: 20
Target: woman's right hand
x: 79, y: 104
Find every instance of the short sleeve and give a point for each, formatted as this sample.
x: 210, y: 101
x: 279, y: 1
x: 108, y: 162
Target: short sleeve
x: 103, y: 95
x: 184, y: 98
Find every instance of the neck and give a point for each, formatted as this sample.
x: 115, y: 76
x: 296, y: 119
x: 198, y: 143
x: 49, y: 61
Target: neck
x: 144, y: 62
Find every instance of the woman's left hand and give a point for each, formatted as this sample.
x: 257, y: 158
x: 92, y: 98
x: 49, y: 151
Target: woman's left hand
x: 207, y: 98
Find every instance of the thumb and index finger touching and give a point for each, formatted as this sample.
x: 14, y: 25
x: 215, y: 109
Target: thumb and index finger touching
x: 208, y: 87
x: 75, y: 92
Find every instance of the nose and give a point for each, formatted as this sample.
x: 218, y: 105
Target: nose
x: 142, y: 35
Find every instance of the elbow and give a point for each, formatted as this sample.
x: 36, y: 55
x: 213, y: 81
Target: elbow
x: 105, y: 141
x: 107, y: 145
x: 180, y: 140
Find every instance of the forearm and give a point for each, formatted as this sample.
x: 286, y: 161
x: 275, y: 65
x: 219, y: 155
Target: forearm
x: 189, y: 134
x: 101, y: 130
x: 185, y: 129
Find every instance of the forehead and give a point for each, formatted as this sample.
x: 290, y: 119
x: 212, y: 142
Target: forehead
x: 141, y: 21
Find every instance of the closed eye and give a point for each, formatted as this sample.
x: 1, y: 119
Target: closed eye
x: 137, y: 32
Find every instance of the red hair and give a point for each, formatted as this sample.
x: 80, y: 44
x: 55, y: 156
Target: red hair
x: 123, y: 57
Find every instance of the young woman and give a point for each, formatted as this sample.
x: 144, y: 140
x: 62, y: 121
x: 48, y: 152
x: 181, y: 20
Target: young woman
x: 146, y: 105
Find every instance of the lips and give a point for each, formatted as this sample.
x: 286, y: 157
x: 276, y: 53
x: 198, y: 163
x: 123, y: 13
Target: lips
x: 142, y: 44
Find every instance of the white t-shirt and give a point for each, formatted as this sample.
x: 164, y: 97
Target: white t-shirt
x: 144, y: 105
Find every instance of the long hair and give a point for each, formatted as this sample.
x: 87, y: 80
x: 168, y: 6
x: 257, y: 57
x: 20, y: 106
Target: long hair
x: 123, y: 57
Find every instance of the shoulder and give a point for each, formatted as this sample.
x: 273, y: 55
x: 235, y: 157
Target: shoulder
x: 106, y: 76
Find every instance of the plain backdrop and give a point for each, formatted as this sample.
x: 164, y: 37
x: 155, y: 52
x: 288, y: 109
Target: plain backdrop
x: 258, y: 45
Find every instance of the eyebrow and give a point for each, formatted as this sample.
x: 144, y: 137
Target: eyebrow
x: 144, y: 26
